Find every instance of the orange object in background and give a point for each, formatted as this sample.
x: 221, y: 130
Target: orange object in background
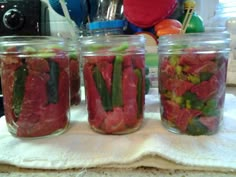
x: 168, y: 30
x: 168, y: 26
x: 167, y: 23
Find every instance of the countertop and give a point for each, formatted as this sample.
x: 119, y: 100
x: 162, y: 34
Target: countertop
x: 11, y: 171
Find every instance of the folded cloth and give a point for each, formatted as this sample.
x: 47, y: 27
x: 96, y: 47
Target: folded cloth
x: 151, y: 146
x: 231, y: 71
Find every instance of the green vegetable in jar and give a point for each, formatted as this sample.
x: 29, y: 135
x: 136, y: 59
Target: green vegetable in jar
x: 102, y: 89
x: 19, y: 88
x: 138, y: 72
x: 52, y: 85
x: 117, y: 99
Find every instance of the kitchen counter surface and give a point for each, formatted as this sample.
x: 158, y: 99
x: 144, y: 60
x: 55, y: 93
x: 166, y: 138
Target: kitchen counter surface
x: 7, y: 171
x: 11, y: 171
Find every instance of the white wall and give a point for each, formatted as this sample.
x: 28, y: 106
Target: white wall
x: 58, y: 23
x: 206, y: 9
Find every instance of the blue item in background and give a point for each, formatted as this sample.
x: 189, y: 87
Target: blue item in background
x: 92, y: 8
x: 106, y: 27
x: 78, y: 9
x: 106, y: 24
x: 132, y: 29
x: 93, y: 14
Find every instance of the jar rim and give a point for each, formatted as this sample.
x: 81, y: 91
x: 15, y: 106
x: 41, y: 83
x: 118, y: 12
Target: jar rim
x: 112, y: 44
x: 111, y: 38
x: 28, y: 38
x: 196, y: 36
x: 41, y: 42
x: 204, y: 42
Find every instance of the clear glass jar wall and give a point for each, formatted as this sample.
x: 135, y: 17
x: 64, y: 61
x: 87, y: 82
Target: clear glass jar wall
x: 192, y: 76
x: 36, y: 84
x: 114, y: 72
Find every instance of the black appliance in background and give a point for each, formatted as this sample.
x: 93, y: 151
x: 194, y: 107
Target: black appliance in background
x: 23, y: 17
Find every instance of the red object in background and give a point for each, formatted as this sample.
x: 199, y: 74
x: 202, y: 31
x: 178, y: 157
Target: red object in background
x: 144, y: 14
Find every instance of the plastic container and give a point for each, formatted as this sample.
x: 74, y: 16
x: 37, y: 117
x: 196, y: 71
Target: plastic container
x: 35, y: 85
x: 111, y: 27
x: 192, y: 76
x: 114, y: 78
x: 108, y: 18
x: 104, y: 10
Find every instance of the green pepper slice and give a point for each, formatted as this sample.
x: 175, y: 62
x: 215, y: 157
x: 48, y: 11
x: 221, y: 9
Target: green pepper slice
x: 138, y: 73
x: 117, y: 98
x: 102, y: 89
x: 196, y: 128
x: 19, y: 88
x: 52, y: 84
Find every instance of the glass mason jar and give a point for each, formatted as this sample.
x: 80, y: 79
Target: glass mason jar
x: 35, y: 84
x: 192, y: 81
x: 75, y: 80
x: 114, y: 76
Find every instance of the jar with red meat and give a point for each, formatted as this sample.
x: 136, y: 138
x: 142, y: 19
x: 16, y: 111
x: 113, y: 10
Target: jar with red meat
x: 114, y: 79
x: 35, y: 84
x: 192, y: 81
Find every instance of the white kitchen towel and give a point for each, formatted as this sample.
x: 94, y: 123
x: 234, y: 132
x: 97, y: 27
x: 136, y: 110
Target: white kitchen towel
x: 231, y: 71
x: 150, y: 146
